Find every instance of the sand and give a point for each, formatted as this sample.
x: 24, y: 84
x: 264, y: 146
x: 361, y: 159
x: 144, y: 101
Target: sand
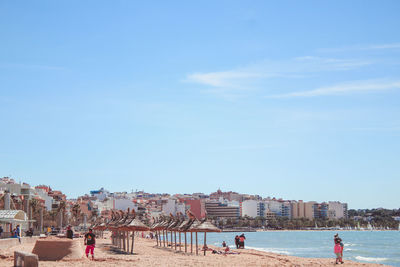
x: 147, y: 254
x: 55, y: 249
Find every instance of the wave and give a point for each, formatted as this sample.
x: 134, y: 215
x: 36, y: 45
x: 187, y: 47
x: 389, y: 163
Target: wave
x: 349, y: 244
x: 272, y: 250
x: 371, y: 259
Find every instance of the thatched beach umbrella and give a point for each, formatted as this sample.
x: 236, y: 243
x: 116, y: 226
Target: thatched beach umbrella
x: 171, y: 227
x: 179, y: 220
x: 184, y: 226
x: 164, y: 225
x: 136, y: 225
x: 111, y: 225
x: 156, y: 227
x: 205, y: 227
x: 192, y: 229
x: 124, y: 227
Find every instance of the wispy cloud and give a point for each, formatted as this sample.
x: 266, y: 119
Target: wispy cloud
x: 345, y: 88
x: 246, y: 77
x: 362, y: 47
x: 250, y: 147
x: 30, y: 66
x: 223, y: 78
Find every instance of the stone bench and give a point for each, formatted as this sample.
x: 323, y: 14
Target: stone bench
x: 25, y: 259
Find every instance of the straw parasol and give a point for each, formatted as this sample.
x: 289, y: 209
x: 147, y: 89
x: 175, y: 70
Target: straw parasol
x: 192, y: 229
x: 136, y: 225
x: 206, y: 227
x: 185, y: 224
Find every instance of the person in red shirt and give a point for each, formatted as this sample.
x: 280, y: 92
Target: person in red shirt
x: 241, y: 241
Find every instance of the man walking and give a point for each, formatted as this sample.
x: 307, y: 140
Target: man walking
x: 90, y: 242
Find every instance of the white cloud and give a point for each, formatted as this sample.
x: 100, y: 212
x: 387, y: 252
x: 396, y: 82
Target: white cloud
x: 362, y: 47
x: 346, y: 88
x: 222, y: 78
x: 244, y: 78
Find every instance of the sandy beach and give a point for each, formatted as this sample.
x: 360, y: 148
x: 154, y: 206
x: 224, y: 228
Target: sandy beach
x: 147, y: 254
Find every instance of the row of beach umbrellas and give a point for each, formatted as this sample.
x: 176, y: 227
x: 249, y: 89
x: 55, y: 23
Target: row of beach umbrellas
x: 179, y: 225
x: 123, y: 226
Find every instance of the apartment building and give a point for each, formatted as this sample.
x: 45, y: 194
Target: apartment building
x: 222, y: 210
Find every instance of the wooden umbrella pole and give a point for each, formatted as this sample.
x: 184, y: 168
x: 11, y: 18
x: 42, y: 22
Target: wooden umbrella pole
x: 185, y: 243
x: 205, y: 244
x: 197, y: 247
x: 133, y: 240
x: 166, y: 236
x: 180, y: 243
x: 171, y: 240
x: 127, y: 242
x: 191, y: 242
x: 123, y: 241
x: 175, y: 238
x: 163, y: 237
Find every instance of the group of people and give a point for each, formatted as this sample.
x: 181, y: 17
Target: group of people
x: 239, y: 241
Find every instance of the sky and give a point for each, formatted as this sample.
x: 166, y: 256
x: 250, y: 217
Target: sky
x: 288, y: 99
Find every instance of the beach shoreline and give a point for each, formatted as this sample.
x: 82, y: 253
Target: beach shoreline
x: 146, y: 253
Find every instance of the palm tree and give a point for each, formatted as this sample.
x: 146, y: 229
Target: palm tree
x: 36, y: 206
x: 94, y: 214
x: 61, y: 211
x: 76, y: 212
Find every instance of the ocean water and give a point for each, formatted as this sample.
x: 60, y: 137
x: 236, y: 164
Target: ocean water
x: 363, y: 246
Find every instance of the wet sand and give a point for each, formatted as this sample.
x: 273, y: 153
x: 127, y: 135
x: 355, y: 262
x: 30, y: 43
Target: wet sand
x: 147, y: 254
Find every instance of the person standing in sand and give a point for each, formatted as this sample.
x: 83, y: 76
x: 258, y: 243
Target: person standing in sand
x: 18, y: 233
x: 70, y: 233
x: 241, y: 241
x: 90, y: 242
x: 237, y: 241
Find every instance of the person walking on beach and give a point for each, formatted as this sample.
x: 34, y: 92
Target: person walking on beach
x: 237, y: 241
x: 338, y: 252
x: 90, y: 242
x: 18, y: 233
x: 337, y: 239
x: 223, y: 244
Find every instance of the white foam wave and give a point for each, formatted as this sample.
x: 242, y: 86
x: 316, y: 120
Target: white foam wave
x: 371, y: 259
x: 272, y: 250
x: 349, y: 245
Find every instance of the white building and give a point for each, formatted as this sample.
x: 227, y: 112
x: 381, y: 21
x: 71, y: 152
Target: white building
x: 48, y: 201
x: 336, y: 210
x: 173, y: 206
x: 124, y: 204
x: 251, y: 208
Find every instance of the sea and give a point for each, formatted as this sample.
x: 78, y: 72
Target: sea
x: 363, y: 246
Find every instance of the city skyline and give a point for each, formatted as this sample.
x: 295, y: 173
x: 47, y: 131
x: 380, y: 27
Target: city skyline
x: 297, y: 100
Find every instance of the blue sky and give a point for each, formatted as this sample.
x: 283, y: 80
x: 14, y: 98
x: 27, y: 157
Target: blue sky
x: 292, y: 99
